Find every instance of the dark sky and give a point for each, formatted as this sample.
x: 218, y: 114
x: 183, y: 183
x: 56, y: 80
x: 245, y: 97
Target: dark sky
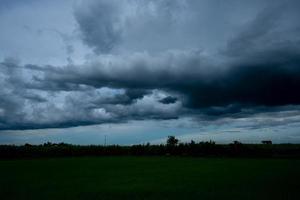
x: 140, y: 70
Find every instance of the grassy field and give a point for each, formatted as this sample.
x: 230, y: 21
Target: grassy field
x: 150, y: 178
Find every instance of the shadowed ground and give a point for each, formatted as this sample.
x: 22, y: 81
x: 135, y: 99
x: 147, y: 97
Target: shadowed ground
x: 150, y: 178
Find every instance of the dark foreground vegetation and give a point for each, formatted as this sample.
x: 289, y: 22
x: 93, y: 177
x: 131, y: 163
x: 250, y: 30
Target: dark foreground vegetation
x: 149, y: 177
x: 201, y: 149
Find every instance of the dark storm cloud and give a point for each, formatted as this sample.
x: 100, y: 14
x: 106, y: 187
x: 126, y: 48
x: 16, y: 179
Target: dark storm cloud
x: 99, y: 25
x: 261, y: 67
x: 269, y: 81
x: 274, y: 30
x: 257, y: 72
x: 126, y: 98
x: 168, y: 100
x: 28, y: 102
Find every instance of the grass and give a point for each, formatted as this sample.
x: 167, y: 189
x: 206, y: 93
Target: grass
x: 150, y: 178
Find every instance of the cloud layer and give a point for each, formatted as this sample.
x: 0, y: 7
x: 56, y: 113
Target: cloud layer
x: 163, y: 60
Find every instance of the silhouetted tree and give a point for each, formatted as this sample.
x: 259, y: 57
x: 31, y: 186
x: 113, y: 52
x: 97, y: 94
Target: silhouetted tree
x: 266, y: 142
x: 172, y: 141
x: 237, y: 142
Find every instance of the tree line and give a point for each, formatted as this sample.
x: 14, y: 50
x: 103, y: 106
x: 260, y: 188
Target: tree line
x: 172, y: 148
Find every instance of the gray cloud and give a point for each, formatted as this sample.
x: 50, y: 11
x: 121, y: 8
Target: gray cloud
x: 168, y: 100
x: 167, y: 72
x: 30, y: 104
x: 99, y: 23
x: 197, y: 78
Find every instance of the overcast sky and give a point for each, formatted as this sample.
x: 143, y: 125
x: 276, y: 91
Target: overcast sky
x: 140, y: 70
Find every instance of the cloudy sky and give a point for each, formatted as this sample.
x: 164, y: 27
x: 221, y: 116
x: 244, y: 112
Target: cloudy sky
x: 137, y: 71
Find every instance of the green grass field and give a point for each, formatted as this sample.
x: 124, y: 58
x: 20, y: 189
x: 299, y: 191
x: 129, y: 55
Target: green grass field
x: 150, y: 178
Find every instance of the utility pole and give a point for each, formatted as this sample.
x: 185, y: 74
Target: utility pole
x: 105, y: 140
